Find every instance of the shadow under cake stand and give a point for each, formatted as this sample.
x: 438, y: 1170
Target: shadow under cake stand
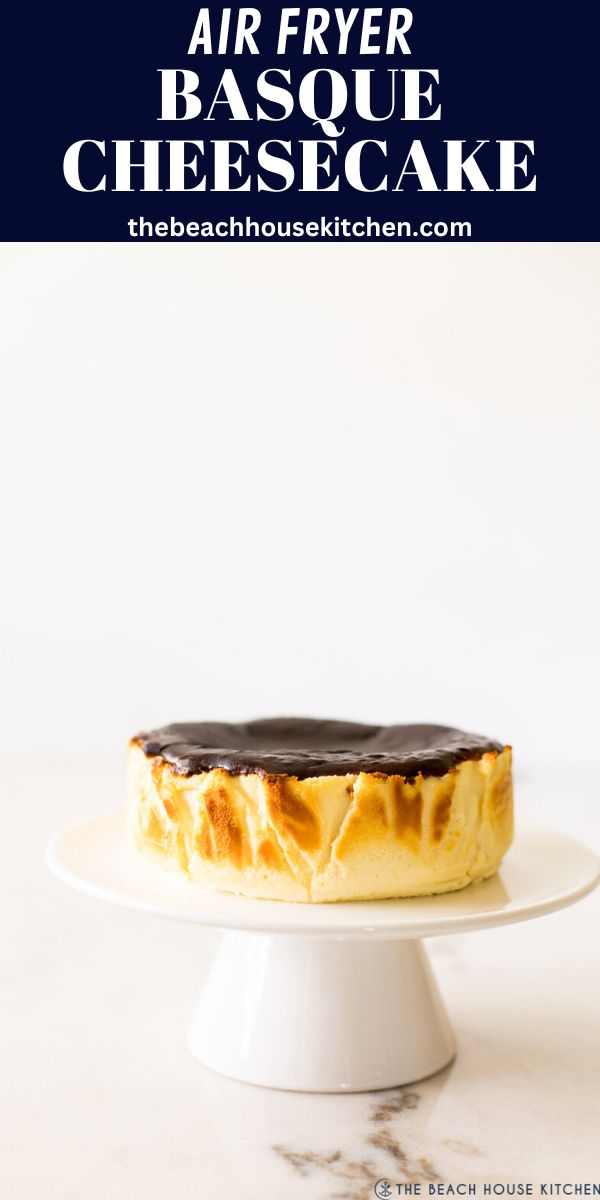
x: 323, y: 997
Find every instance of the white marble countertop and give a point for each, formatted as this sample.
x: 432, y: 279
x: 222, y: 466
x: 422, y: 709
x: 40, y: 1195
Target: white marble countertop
x: 102, y: 1101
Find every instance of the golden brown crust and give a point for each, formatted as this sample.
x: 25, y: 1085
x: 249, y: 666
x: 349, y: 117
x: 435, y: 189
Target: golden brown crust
x: 362, y: 836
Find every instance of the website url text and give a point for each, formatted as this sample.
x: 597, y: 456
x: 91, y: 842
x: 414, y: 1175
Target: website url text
x: 323, y: 229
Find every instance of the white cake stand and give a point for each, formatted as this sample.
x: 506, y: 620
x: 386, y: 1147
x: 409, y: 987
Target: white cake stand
x: 324, y: 997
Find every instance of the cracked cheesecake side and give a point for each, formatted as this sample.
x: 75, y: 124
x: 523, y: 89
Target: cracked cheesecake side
x: 357, y: 835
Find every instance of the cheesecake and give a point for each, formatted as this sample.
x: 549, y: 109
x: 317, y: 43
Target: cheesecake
x: 318, y: 810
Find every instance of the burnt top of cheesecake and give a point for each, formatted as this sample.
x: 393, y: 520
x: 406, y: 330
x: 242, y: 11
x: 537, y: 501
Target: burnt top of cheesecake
x: 304, y: 748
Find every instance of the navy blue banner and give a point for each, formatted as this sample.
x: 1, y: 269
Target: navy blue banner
x: 426, y: 121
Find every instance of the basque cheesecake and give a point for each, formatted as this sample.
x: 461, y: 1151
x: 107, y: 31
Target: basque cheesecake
x: 309, y: 810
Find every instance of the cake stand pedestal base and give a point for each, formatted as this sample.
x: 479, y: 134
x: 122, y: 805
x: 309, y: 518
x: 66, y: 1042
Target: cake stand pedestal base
x: 320, y: 1014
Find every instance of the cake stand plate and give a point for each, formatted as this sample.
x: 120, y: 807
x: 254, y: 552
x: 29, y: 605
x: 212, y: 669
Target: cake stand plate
x: 323, y: 997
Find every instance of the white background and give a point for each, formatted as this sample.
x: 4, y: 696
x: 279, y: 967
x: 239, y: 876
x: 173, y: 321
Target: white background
x: 352, y: 481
